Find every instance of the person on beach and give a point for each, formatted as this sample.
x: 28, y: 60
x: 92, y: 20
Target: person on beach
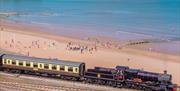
x: 2, y: 29
x: 128, y: 59
x: 12, y: 41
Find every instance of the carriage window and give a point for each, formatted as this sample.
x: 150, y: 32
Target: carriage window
x: 70, y: 69
x: 9, y: 61
x: 5, y: 61
x: 54, y: 67
x: 46, y: 66
x: 62, y: 68
x: 28, y: 64
x: 20, y: 63
x: 35, y: 65
x: 14, y: 62
x: 76, y: 69
x: 40, y: 66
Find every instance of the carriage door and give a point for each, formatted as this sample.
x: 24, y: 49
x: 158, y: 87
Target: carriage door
x: 1, y: 59
x: 82, y: 69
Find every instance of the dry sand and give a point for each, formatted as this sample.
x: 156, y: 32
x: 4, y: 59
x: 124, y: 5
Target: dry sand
x: 26, y: 40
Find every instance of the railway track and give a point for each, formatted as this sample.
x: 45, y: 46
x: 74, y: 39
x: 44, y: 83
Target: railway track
x: 21, y: 85
x: 33, y: 87
x: 35, y: 83
x: 38, y: 86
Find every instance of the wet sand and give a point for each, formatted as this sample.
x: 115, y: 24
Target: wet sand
x: 27, y: 40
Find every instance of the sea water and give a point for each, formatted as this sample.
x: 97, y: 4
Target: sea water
x: 157, y: 18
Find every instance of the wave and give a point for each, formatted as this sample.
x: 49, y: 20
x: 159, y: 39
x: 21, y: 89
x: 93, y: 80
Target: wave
x: 118, y: 12
x: 40, y: 23
x: 40, y: 14
x: 156, y: 35
x: 29, y: 14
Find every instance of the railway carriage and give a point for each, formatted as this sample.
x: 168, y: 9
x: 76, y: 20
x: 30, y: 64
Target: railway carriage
x: 41, y: 66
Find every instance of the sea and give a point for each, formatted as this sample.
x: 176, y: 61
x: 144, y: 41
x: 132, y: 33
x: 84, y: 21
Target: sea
x: 114, y: 18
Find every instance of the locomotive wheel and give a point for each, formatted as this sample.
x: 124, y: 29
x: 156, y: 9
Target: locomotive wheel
x: 120, y: 85
x: 74, y: 79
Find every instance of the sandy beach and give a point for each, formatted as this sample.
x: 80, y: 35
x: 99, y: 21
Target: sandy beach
x: 96, y: 51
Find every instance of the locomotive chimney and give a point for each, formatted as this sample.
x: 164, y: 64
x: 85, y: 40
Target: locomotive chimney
x: 165, y: 71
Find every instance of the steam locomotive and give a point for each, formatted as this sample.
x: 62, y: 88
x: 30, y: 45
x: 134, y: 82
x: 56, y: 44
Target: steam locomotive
x: 120, y: 76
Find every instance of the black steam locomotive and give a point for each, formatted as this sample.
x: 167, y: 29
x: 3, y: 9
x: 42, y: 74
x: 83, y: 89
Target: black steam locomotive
x: 120, y: 76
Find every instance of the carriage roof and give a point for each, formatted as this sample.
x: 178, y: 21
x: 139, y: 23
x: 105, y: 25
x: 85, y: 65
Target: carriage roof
x: 42, y: 60
x: 1, y: 54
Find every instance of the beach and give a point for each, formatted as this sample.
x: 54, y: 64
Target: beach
x: 28, y: 39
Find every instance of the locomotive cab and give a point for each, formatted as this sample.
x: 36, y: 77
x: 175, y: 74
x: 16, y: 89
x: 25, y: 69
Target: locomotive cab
x: 130, y: 74
x: 120, y: 72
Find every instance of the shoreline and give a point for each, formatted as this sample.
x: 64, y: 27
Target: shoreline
x: 107, y: 54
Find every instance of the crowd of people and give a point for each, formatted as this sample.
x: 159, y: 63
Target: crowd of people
x: 106, y: 44
x: 33, y: 44
x: 25, y: 48
x: 81, y: 48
